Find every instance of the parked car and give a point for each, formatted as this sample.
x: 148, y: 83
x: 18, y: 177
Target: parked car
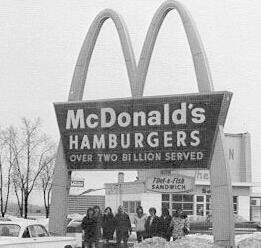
x: 203, y: 224
x: 30, y: 233
x: 74, y: 230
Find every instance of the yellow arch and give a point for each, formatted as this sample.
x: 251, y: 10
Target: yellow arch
x: 137, y: 75
x: 200, y: 61
x: 82, y: 64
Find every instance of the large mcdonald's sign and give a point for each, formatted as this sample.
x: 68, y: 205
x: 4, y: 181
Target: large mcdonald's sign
x: 151, y: 132
x: 102, y: 157
x: 87, y: 119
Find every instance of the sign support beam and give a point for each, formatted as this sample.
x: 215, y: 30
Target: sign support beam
x: 60, y: 195
x: 221, y: 194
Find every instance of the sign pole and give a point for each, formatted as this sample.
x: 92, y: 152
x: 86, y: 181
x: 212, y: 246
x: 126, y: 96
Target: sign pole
x: 221, y: 194
x: 60, y: 195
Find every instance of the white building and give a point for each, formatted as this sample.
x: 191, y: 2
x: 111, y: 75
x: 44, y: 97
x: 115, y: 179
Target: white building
x: 196, y: 202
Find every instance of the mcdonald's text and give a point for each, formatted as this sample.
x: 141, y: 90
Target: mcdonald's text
x: 152, y: 132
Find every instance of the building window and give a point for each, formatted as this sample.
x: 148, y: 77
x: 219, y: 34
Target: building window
x: 184, y: 202
x: 175, y: 201
x: 200, y: 198
x: 131, y: 206
x: 177, y: 198
x: 253, y: 202
x: 165, y: 197
x: 208, y: 204
x: 165, y: 201
x: 198, y: 204
x: 255, y: 209
x: 165, y: 205
x: 235, y: 204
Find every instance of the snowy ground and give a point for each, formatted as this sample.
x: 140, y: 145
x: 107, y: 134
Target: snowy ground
x: 190, y: 241
x: 201, y: 241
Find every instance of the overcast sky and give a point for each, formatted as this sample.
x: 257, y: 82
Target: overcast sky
x: 40, y: 42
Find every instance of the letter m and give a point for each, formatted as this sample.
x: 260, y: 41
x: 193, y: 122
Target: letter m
x: 75, y: 120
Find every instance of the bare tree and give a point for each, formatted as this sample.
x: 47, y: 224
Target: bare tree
x: 46, y: 182
x: 14, y: 145
x: 32, y: 150
x: 18, y: 184
x: 6, y: 164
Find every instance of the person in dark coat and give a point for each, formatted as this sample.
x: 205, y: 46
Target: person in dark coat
x: 98, y: 217
x: 108, y: 225
x: 152, y: 225
x: 123, y: 227
x: 165, y: 220
x: 89, y: 226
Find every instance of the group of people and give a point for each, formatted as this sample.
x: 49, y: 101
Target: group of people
x: 98, y: 226
x: 165, y: 226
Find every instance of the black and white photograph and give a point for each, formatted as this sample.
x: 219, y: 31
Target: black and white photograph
x: 130, y: 124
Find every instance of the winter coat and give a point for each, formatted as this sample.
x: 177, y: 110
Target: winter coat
x: 165, y: 227
x: 177, y: 224
x: 153, y: 229
x: 140, y: 222
x: 89, y: 225
x: 122, y: 224
x: 108, y: 226
x: 98, y: 218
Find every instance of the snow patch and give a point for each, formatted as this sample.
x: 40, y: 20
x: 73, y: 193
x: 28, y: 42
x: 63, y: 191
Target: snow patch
x: 201, y: 241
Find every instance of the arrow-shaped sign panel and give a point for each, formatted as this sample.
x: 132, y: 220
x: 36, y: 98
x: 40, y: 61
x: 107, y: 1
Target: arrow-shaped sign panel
x: 175, y: 131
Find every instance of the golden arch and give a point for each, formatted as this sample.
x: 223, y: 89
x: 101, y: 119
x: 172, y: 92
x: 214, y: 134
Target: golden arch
x: 82, y: 64
x: 220, y: 177
x: 200, y: 61
x: 137, y: 75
